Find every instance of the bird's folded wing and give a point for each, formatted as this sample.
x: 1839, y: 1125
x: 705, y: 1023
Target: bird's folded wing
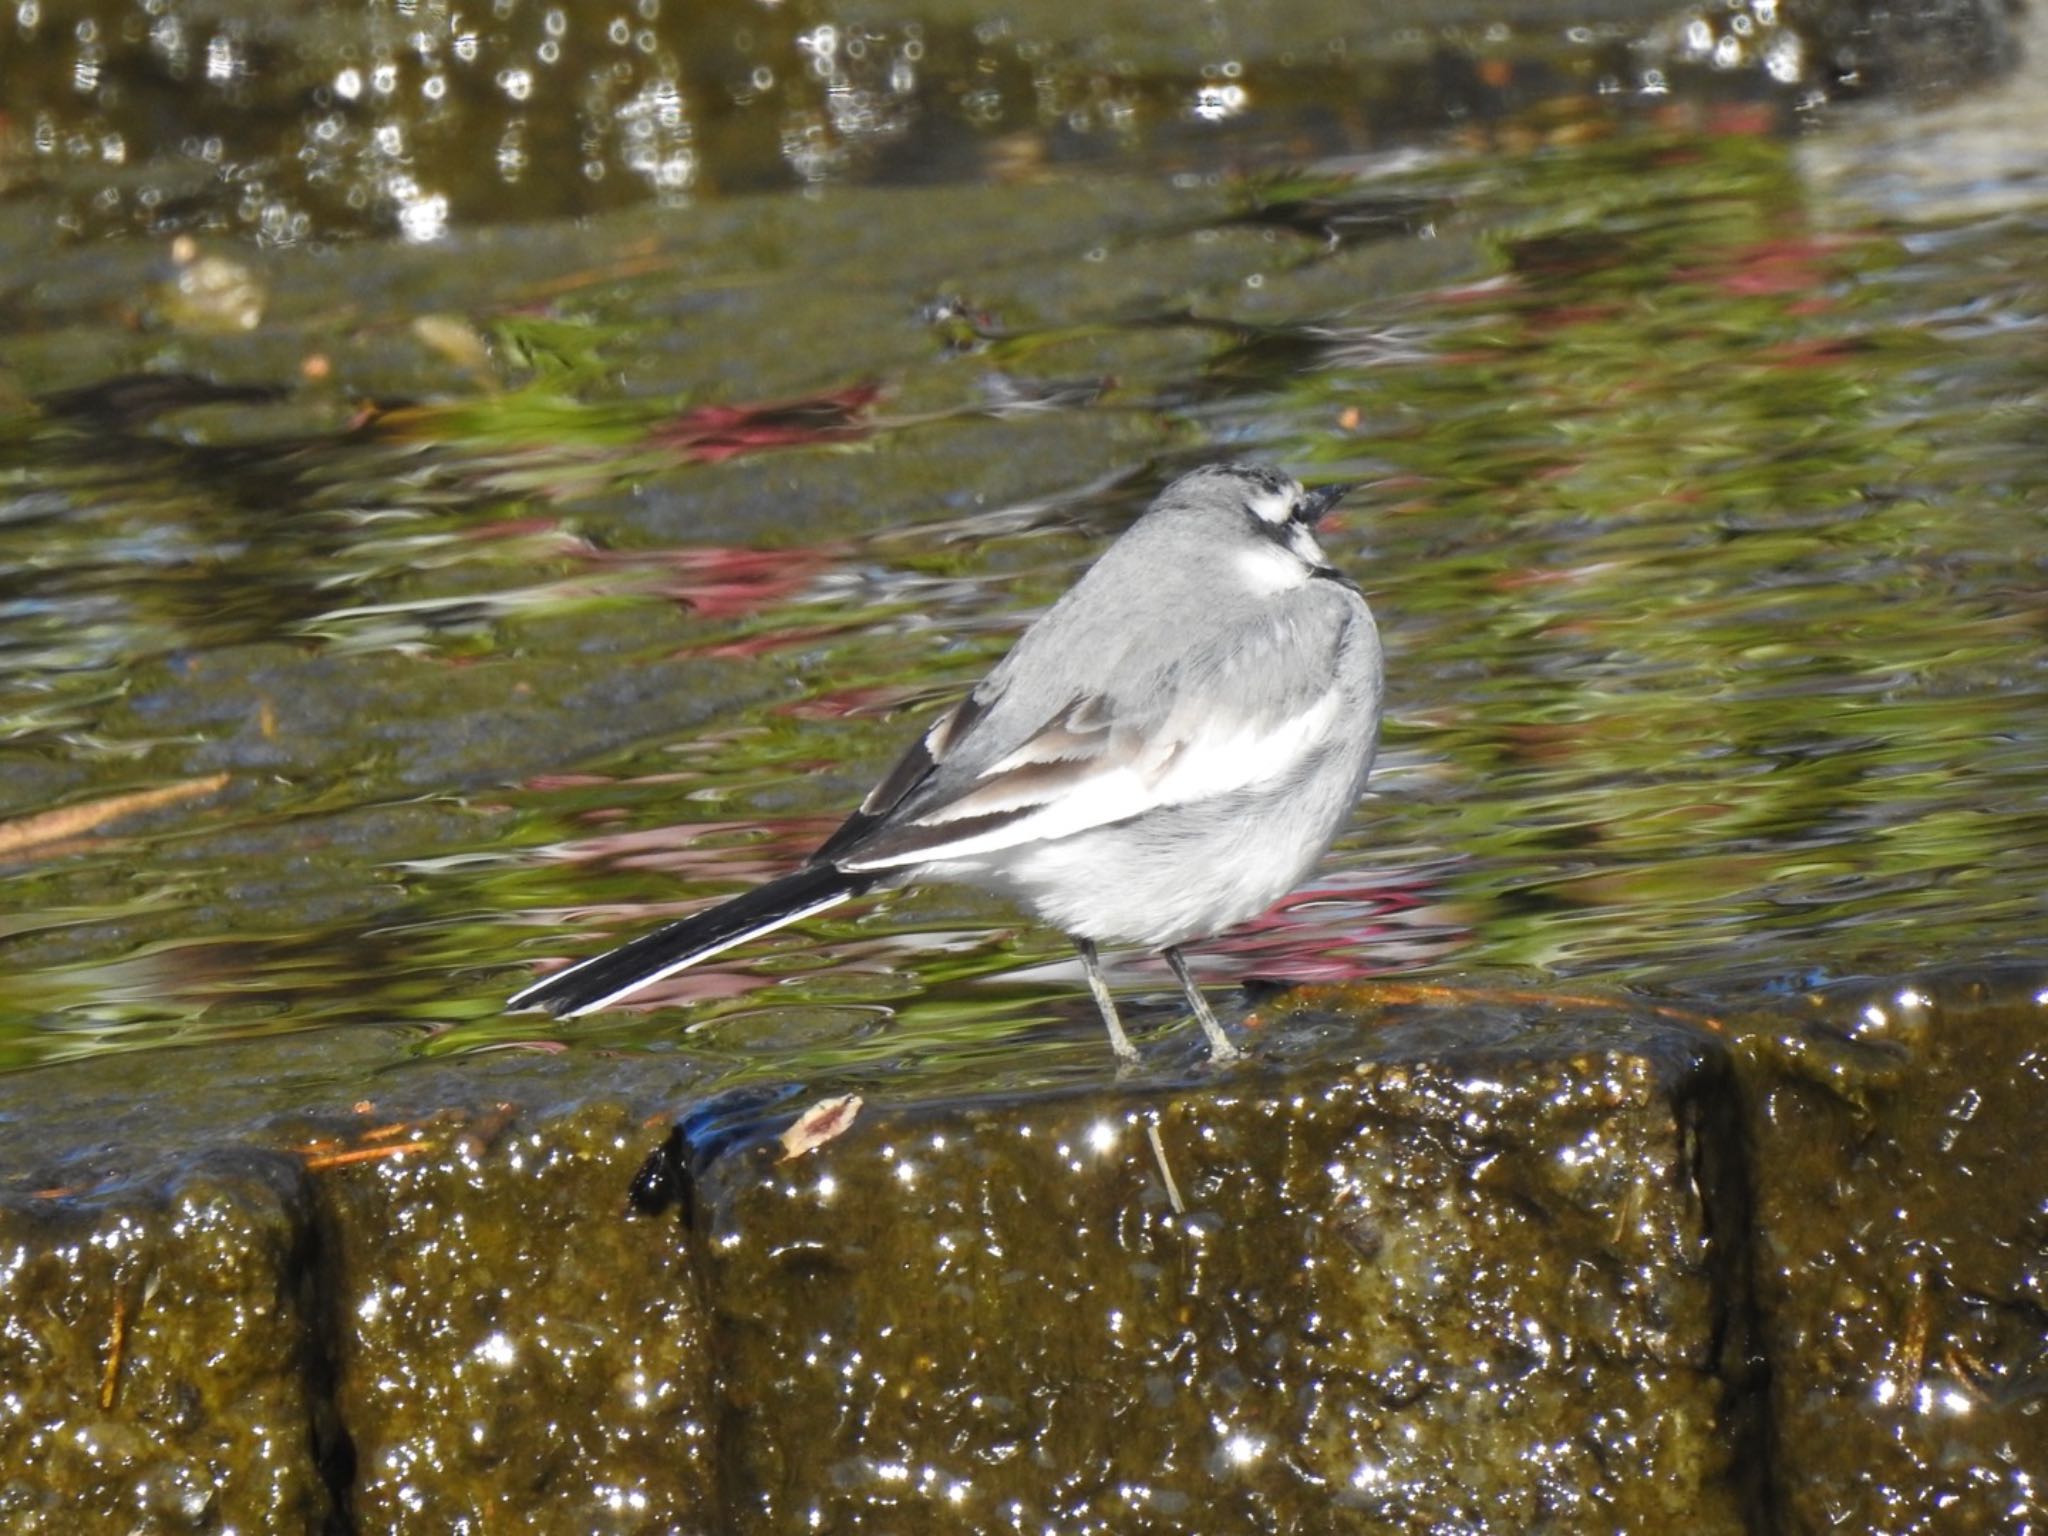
x: 1086, y: 768
x: 910, y: 771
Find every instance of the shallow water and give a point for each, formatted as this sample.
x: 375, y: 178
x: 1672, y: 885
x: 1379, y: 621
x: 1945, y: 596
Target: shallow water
x: 467, y: 617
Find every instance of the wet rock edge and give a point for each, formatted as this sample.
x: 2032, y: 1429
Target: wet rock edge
x: 1722, y: 1102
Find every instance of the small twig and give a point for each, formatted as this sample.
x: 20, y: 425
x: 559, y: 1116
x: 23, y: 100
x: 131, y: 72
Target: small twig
x: 69, y: 821
x: 1165, y: 1172
x: 1969, y: 1372
x: 318, y: 1161
x: 117, y: 1337
x: 1913, y: 1348
x: 386, y: 1132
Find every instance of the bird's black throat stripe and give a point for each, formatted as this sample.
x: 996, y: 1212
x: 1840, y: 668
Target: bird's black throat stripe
x: 1331, y: 573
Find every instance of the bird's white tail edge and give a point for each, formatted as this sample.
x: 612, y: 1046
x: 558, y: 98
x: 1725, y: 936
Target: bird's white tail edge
x: 648, y: 980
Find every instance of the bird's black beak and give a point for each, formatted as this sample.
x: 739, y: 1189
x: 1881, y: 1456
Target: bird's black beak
x: 1317, y: 502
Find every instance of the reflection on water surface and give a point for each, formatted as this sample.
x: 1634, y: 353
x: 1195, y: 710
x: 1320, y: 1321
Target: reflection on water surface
x: 364, y: 660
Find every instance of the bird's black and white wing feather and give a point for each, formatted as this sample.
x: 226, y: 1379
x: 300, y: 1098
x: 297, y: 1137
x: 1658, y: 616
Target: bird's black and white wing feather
x: 981, y: 782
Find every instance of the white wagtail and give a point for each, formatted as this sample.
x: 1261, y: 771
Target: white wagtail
x: 1162, y: 755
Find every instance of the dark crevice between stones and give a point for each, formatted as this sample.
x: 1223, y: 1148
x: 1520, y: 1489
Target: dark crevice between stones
x: 668, y: 1180
x: 1718, y: 1161
x: 320, y: 1290
x: 731, y: 1424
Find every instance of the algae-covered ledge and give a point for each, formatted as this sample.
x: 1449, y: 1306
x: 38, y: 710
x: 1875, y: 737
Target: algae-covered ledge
x: 1481, y: 1261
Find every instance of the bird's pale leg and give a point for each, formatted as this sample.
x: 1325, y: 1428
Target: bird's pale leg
x: 1220, y: 1048
x: 1118, y: 1040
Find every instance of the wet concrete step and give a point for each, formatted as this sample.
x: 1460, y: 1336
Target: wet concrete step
x: 1453, y: 1258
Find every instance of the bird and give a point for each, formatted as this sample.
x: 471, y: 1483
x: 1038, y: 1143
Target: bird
x: 1163, y: 754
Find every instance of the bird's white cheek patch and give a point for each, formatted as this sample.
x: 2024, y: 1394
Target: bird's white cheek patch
x: 1273, y: 507
x: 1269, y: 568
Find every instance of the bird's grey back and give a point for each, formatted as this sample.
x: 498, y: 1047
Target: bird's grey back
x: 1158, y: 624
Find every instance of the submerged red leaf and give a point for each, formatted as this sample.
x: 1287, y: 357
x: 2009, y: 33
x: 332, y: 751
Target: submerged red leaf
x: 710, y: 434
x: 722, y: 582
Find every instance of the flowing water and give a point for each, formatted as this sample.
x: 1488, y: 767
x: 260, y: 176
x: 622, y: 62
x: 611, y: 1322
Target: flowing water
x: 423, y: 557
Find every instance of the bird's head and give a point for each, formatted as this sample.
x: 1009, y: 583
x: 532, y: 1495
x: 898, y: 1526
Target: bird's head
x: 1266, y: 506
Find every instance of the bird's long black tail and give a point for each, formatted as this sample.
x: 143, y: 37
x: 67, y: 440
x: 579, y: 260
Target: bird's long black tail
x: 603, y: 980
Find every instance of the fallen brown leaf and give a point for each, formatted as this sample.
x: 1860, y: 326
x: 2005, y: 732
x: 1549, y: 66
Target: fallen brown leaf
x: 819, y: 1124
